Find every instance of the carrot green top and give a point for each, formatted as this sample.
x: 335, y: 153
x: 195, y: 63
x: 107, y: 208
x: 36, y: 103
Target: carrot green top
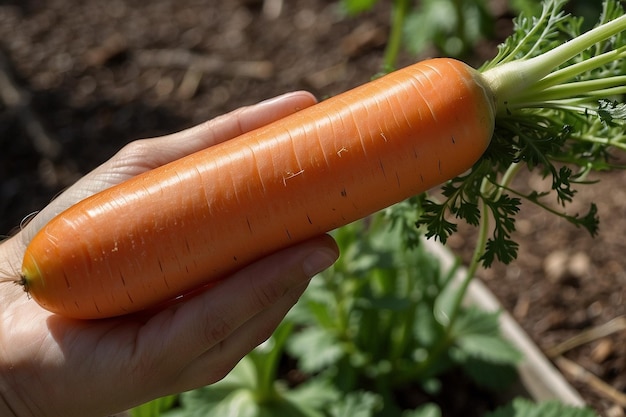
x: 560, y: 110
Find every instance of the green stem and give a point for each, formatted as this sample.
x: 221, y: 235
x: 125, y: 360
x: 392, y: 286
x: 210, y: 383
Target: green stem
x: 594, y: 88
x: 508, y: 176
x: 617, y: 142
x: 266, y: 391
x: 267, y: 362
x: 569, y: 72
x: 534, y: 201
x: 460, y: 26
x: 342, y: 316
x: 510, y: 79
x: 422, y: 370
x: 407, y: 323
x: 576, y: 104
x: 479, y: 250
x: 512, y: 55
x: 398, y: 16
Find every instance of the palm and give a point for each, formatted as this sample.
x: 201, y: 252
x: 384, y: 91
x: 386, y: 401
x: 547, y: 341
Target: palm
x: 46, y: 347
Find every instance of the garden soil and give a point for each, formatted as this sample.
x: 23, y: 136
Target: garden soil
x: 79, y: 79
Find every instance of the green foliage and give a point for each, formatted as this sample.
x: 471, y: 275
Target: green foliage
x: 387, y: 315
x: 427, y: 410
x: 501, y: 246
x: 356, y: 404
x: 354, y: 7
x: 526, y: 7
x: 611, y: 112
x: 154, y: 408
x: 477, y: 334
x: 524, y: 408
x: 454, y: 27
x: 252, y: 389
x: 235, y: 397
x: 564, y: 126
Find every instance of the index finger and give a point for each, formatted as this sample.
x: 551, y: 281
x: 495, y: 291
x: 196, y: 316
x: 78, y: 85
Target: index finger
x: 228, y: 126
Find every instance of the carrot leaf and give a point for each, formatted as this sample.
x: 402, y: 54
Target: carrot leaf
x: 501, y: 246
x: 611, y: 112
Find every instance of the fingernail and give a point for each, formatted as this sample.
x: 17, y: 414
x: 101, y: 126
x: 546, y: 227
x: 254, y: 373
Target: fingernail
x: 318, y: 261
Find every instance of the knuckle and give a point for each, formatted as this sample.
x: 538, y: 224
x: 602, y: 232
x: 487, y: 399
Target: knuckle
x: 146, y: 368
x: 136, y: 151
x: 218, y: 329
x: 268, y: 293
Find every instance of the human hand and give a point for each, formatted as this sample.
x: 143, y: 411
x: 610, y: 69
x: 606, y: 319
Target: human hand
x: 53, y: 366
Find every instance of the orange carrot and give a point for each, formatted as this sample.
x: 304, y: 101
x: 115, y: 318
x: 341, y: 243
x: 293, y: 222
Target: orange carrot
x: 186, y: 224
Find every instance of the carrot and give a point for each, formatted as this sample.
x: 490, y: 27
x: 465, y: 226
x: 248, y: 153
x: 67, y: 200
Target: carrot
x: 193, y: 221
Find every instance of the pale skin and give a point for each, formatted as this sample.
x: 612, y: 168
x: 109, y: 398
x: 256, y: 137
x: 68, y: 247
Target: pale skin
x: 51, y: 366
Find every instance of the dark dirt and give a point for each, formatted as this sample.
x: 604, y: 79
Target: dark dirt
x: 96, y: 75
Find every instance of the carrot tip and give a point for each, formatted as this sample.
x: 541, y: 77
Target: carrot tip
x: 23, y: 282
x: 14, y: 277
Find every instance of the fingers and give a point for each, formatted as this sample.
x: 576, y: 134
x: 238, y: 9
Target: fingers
x: 151, y: 153
x: 208, y: 334
x: 218, y: 361
x: 246, y: 119
x: 143, y: 155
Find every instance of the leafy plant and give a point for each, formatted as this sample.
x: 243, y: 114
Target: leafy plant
x: 252, y: 389
x: 381, y: 319
x: 452, y: 26
x: 524, y: 408
x: 154, y: 408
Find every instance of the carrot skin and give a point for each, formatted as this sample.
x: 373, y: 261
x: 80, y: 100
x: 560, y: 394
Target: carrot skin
x: 195, y: 220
